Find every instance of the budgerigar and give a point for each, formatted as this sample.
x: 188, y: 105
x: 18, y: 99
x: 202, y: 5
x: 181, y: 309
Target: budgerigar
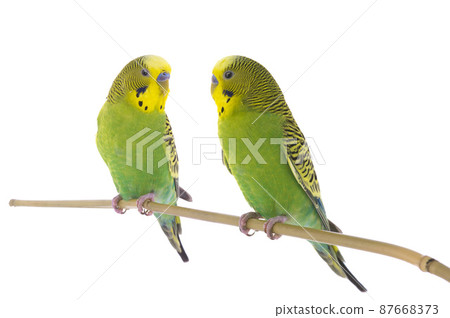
x: 266, y: 152
x: 135, y: 140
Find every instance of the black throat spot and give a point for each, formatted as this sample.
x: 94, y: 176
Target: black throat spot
x: 141, y: 90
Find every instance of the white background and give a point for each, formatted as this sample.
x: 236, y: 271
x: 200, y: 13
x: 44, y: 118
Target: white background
x: 374, y: 96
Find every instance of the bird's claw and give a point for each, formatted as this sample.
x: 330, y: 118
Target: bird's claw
x: 244, y: 219
x: 140, y: 203
x: 146, y: 212
x: 268, y: 226
x: 115, y: 204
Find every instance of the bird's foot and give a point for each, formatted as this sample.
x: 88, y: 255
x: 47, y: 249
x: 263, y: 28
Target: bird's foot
x: 115, y: 204
x: 268, y: 226
x: 243, y: 222
x: 140, y: 203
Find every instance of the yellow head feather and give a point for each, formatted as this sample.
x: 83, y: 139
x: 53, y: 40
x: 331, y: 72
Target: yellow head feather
x: 143, y: 83
x: 242, y: 84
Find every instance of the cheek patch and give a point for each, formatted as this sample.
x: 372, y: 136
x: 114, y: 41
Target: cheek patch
x: 141, y: 90
x: 227, y: 93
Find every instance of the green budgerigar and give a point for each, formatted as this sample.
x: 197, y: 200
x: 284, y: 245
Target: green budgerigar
x: 135, y: 140
x: 266, y: 152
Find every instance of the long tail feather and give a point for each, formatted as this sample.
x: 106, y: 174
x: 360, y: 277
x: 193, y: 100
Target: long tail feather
x: 332, y: 256
x: 352, y: 278
x: 171, y: 226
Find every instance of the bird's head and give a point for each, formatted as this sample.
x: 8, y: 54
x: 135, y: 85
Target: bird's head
x: 241, y: 84
x: 143, y: 83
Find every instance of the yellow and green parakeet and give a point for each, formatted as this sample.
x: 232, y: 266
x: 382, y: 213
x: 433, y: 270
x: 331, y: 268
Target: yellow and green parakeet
x: 266, y: 152
x: 135, y: 140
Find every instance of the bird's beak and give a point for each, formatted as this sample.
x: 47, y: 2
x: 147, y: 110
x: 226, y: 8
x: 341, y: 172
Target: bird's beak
x: 214, y: 80
x: 214, y: 83
x: 163, y: 76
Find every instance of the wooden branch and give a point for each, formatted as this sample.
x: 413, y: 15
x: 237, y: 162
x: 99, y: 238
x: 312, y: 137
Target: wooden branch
x: 425, y: 263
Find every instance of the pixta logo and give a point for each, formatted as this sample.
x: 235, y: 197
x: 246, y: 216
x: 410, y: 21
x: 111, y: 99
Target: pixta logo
x: 140, y: 148
x: 209, y: 148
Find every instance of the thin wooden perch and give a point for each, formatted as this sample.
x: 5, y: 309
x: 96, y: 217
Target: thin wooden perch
x: 425, y: 263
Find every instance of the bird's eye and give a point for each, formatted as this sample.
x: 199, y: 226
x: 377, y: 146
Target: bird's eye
x: 145, y: 73
x: 163, y: 76
x: 228, y: 74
